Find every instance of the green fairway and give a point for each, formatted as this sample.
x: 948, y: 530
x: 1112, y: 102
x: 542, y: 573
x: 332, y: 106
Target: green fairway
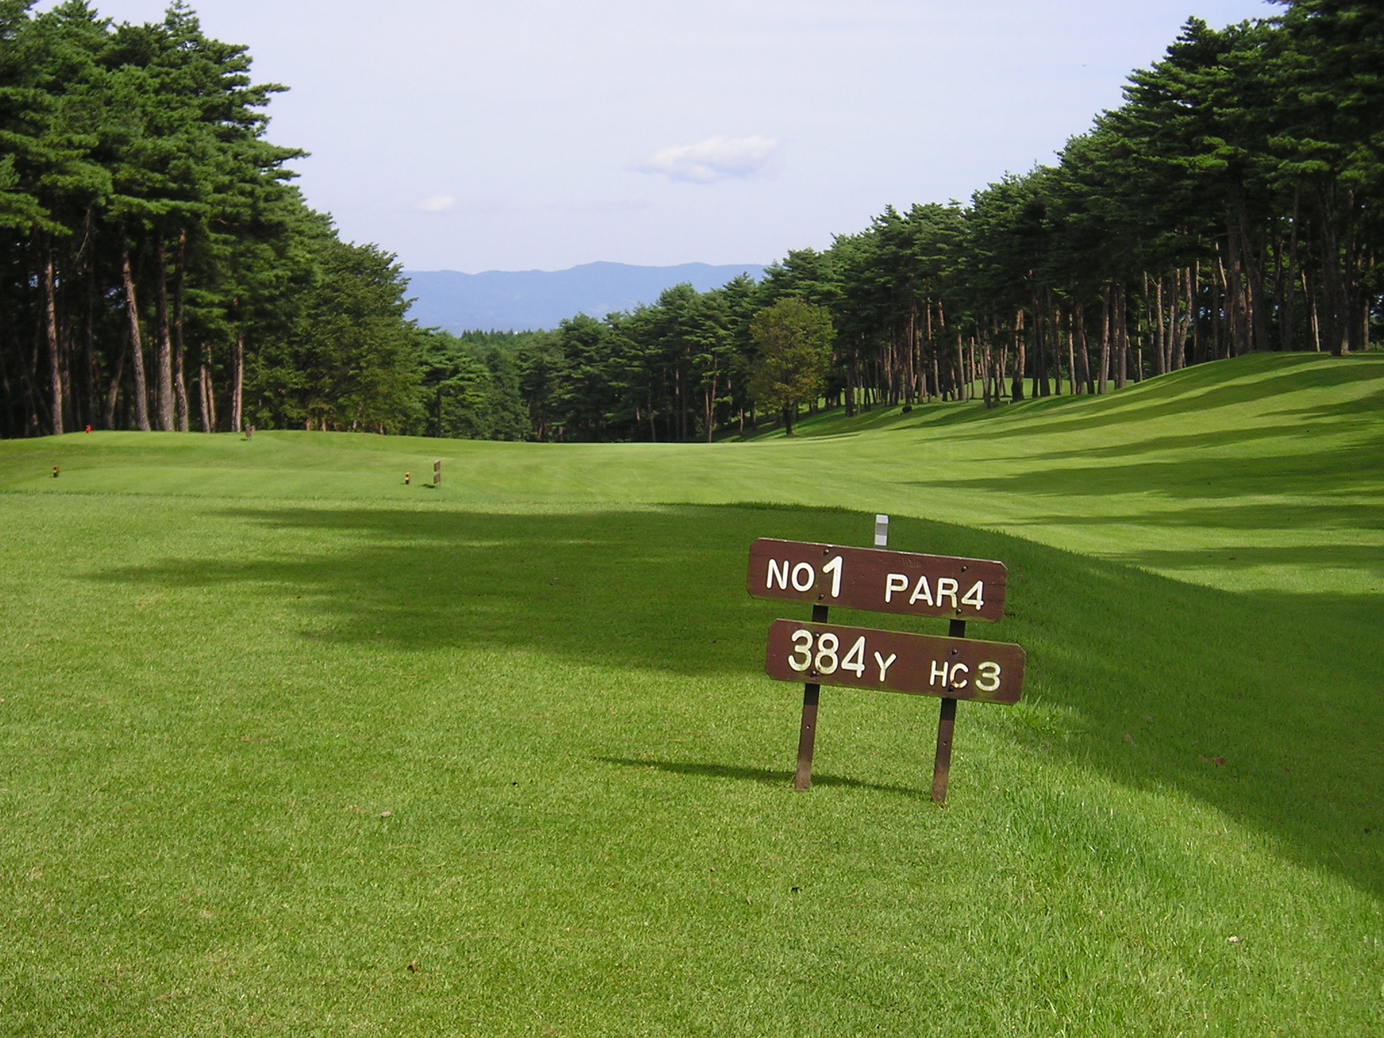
x: 290, y: 747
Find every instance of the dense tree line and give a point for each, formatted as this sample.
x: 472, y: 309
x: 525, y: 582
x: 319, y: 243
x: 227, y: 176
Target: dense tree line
x: 1232, y: 203
x: 159, y: 270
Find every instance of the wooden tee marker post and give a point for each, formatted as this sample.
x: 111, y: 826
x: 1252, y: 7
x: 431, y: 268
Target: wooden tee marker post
x: 874, y: 579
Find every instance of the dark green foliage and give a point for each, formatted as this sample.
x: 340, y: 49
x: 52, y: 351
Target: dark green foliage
x: 471, y: 386
x: 794, y: 339
x: 350, y: 363
x: 150, y: 243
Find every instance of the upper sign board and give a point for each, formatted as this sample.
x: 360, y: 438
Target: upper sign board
x: 877, y: 580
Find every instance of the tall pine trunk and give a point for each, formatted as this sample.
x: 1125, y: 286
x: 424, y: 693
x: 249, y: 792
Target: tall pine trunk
x: 910, y: 353
x: 1160, y: 328
x: 1185, y: 325
x: 136, y: 343
x: 1121, y: 332
x: 50, y: 322
x: 1071, y: 350
x: 238, y: 382
x: 1104, y: 339
x: 964, y: 390
x: 1084, y: 350
x: 163, y: 350
x: 1016, y: 384
x: 179, y: 351
x: 206, y: 394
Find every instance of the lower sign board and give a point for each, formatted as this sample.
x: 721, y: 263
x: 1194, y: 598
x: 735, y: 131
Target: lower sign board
x: 895, y: 661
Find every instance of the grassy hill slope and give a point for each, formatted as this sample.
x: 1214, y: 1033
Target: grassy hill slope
x: 286, y: 745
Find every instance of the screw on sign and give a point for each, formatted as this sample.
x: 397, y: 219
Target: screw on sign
x: 818, y: 653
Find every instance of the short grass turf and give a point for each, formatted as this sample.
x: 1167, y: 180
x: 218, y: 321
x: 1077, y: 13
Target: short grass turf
x: 289, y: 747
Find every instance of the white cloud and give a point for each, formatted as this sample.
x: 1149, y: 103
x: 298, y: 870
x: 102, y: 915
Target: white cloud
x: 437, y: 204
x: 716, y: 158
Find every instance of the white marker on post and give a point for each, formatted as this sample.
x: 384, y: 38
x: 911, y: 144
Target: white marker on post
x: 881, y: 531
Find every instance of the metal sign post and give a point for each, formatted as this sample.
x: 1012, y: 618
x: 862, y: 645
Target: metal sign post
x: 946, y: 722
x: 807, y: 728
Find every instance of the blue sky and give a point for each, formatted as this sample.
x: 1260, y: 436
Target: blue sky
x: 539, y: 134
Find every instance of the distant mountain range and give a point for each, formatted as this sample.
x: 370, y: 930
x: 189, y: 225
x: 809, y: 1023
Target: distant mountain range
x: 499, y: 300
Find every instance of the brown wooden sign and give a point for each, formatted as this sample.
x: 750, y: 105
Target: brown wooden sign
x: 877, y: 580
x: 895, y: 661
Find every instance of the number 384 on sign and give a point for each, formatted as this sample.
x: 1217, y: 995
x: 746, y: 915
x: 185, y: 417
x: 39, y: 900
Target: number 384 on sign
x: 895, y: 661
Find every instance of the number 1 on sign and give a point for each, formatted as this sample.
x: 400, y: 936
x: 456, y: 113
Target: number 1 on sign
x: 834, y: 568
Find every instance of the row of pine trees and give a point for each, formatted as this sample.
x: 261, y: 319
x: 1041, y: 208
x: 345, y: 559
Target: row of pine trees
x: 1233, y: 203
x: 158, y: 270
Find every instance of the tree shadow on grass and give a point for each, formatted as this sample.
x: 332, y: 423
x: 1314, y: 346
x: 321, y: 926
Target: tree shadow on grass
x: 1359, y: 469
x: 1265, y: 705
x: 1282, y: 692
x: 1198, y: 389
x: 661, y: 588
x: 1323, y: 560
x: 1287, y: 434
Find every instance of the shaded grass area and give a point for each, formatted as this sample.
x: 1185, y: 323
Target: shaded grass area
x: 1283, y: 699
